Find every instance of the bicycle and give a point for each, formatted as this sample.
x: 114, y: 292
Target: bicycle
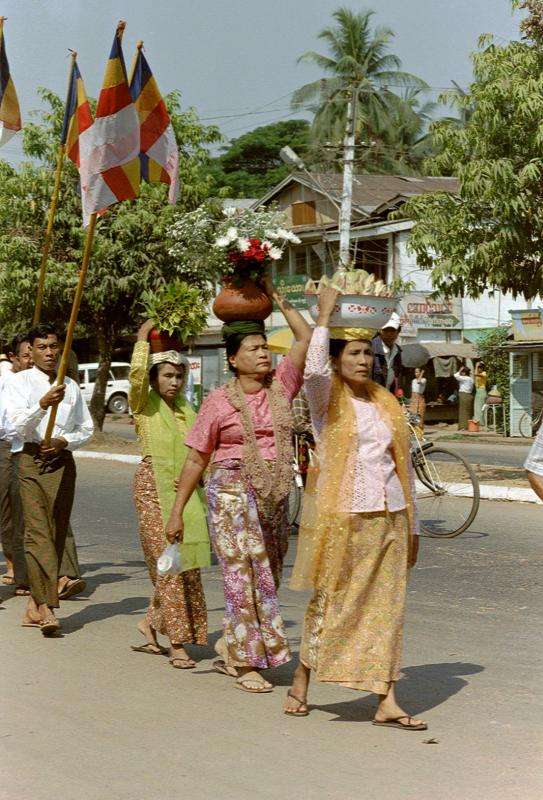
x: 447, y: 487
x: 297, y: 489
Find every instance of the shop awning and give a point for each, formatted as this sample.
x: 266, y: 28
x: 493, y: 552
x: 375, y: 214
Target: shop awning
x: 447, y: 349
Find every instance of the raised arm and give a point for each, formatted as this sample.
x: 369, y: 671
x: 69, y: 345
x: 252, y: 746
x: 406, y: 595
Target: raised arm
x: 139, y: 371
x: 318, y: 372
x: 296, y: 322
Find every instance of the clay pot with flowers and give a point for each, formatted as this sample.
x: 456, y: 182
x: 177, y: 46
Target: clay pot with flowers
x: 243, y: 295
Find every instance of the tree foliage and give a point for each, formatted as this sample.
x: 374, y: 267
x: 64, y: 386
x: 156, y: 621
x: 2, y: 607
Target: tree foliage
x: 131, y: 250
x: 490, y: 235
x: 251, y: 165
x: 359, y: 63
x: 490, y: 350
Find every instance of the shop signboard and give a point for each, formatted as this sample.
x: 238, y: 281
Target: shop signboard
x: 420, y: 310
x: 527, y: 324
x: 292, y: 287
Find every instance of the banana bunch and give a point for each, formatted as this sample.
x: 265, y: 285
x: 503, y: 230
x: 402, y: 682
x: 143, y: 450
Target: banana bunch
x: 354, y: 281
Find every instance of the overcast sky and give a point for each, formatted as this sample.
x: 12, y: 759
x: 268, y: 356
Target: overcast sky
x: 232, y: 57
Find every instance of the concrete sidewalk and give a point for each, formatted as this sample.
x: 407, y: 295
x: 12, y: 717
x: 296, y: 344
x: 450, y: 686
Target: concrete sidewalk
x: 84, y: 718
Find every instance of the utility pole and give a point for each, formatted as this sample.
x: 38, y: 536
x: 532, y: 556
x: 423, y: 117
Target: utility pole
x: 348, y: 174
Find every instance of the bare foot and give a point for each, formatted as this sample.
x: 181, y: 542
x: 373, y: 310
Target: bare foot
x: 296, y: 701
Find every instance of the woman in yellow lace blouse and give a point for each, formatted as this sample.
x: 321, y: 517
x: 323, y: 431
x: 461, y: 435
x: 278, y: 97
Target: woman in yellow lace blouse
x: 163, y: 417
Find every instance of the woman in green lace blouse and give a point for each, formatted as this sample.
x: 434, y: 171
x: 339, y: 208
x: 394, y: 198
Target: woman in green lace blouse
x: 163, y: 418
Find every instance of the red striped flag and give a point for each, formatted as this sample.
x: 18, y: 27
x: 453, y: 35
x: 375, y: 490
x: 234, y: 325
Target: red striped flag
x: 77, y: 115
x: 159, y: 155
x: 10, y: 114
x: 110, y: 166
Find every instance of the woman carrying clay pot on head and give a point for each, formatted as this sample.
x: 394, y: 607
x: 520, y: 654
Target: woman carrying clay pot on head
x: 244, y: 431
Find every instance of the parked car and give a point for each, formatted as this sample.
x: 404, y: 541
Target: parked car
x: 116, y: 389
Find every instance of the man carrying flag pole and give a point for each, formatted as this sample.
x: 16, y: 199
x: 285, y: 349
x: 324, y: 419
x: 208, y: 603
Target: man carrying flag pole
x: 10, y: 115
x: 159, y: 154
x: 77, y: 120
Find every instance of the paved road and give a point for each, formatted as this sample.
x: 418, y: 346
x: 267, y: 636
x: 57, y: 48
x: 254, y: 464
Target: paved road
x: 84, y: 718
x: 505, y: 455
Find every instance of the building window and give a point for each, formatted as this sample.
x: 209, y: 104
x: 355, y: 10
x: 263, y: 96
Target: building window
x: 304, y: 213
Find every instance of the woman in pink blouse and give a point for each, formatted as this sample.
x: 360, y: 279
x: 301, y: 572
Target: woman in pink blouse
x: 244, y: 430
x: 358, y: 535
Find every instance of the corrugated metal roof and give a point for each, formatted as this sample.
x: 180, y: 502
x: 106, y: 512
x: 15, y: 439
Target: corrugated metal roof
x: 373, y: 191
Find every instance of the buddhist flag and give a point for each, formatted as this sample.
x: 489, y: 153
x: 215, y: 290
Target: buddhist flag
x: 110, y: 165
x: 77, y: 116
x: 159, y: 155
x: 10, y: 115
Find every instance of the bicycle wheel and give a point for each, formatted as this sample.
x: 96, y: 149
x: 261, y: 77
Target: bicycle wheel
x: 526, y: 425
x: 447, y: 492
x: 294, y: 504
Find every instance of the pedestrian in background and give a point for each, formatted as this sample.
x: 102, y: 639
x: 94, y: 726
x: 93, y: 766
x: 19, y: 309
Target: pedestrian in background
x: 480, y: 390
x: 163, y: 417
x: 47, y: 472
x: 418, y: 401
x: 359, y: 530
x: 245, y: 430
x: 387, y: 355
x: 465, y: 397
x: 11, y: 512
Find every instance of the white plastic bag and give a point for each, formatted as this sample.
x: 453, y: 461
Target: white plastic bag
x: 169, y: 563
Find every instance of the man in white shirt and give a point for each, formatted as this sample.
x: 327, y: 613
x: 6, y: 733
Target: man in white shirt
x: 11, y: 512
x: 46, y: 472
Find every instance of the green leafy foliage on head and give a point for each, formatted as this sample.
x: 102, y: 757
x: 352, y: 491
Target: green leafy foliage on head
x: 177, y: 309
x: 490, y: 235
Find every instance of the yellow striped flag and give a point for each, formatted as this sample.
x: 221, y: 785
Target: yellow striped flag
x: 110, y: 166
x: 10, y: 114
x: 77, y: 115
x: 159, y: 155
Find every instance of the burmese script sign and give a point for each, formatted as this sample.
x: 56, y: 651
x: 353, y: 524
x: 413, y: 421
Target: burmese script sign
x: 418, y: 310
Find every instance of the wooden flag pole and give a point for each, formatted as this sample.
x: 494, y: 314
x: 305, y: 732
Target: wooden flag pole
x: 139, y: 46
x: 52, y: 212
x: 63, y: 366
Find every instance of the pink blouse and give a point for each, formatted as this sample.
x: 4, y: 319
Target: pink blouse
x: 218, y: 426
x: 376, y: 484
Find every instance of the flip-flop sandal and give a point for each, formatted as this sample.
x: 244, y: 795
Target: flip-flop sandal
x: 296, y: 713
x: 20, y: 591
x: 395, y: 723
x: 150, y: 649
x: 222, y: 667
x: 253, y: 677
x: 72, y: 588
x: 181, y: 663
x: 49, y: 626
x: 28, y: 622
x: 7, y: 580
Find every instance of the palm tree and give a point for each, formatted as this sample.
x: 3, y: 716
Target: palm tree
x: 354, y: 94
x: 358, y: 66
